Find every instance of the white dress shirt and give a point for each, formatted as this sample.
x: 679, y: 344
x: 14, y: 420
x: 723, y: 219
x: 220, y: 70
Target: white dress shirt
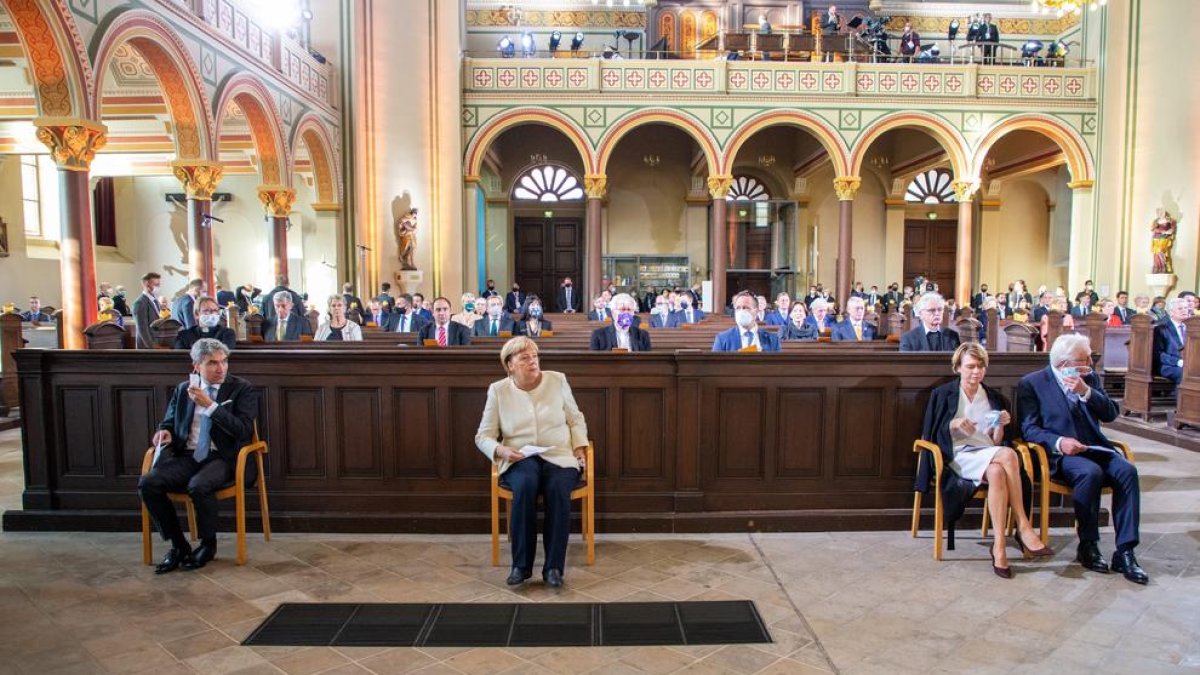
x: 200, y: 413
x: 623, y: 339
x: 547, y: 416
x: 753, y: 339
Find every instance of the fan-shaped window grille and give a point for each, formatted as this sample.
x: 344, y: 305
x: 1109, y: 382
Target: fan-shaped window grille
x: 931, y: 187
x: 747, y: 189
x: 548, y: 184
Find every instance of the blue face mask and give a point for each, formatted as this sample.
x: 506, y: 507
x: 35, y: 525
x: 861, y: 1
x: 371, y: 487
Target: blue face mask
x: 683, y: 304
x: 535, y: 311
x: 470, y: 307
x: 624, y: 320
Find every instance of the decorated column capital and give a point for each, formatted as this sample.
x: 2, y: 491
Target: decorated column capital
x: 200, y: 179
x: 1081, y: 184
x: 472, y: 179
x: 72, y: 141
x: 595, y: 185
x: 846, y: 187
x: 964, y: 190
x: 277, y: 199
x: 718, y: 186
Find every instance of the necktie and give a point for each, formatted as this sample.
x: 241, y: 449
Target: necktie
x: 858, y: 332
x: 748, y: 338
x: 280, y: 330
x: 568, y: 298
x: 935, y: 341
x: 1183, y: 334
x: 202, y: 441
x: 441, y: 336
x: 494, y: 329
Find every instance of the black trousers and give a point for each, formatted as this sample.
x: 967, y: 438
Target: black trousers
x: 1090, y: 471
x: 527, y: 479
x: 173, y: 473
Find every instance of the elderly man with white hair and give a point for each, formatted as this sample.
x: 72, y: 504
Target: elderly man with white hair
x: 818, y: 316
x: 1061, y: 408
x: 622, y: 333
x: 929, y: 336
x: 1170, y: 338
x: 854, y: 327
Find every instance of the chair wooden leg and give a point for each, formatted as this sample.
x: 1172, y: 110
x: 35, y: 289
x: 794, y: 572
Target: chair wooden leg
x: 590, y: 508
x: 240, y: 524
x: 495, y: 529
x: 147, y: 541
x: 916, y: 518
x: 1044, y: 514
x: 191, y: 513
x: 937, y: 525
x: 262, y: 501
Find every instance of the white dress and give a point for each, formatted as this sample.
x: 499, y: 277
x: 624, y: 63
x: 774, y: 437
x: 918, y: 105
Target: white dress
x: 973, y: 453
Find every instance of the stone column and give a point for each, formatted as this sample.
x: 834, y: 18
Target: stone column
x: 1079, y: 268
x: 73, y: 143
x: 471, y: 281
x: 278, y: 201
x: 718, y: 188
x: 964, y: 257
x: 200, y: 180
x: 895, y: 208
x: 846, y: 187
x: 595, y: 185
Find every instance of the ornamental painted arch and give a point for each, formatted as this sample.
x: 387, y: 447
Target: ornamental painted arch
x: 479, y: 143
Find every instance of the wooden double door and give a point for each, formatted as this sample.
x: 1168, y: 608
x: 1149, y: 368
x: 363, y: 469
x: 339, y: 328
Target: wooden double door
x: 930, y: 247
x: 547, y: 249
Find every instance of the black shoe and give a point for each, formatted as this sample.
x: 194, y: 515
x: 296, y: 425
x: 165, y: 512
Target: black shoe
x: 1089, y: 556
x: 172, y: 560
x: 553, y: 578
x: 516, y: 577
x: 201, y: 556
x: 1125, y: 563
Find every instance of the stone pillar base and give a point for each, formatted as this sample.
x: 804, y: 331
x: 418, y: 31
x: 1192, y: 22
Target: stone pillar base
x: 1160, y: 284
x: 410, y: 281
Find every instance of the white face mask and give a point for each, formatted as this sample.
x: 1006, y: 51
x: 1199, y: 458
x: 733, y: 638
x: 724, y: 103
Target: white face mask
x: 210, y: 320
x: 494, y: 311
x: 744, y: 318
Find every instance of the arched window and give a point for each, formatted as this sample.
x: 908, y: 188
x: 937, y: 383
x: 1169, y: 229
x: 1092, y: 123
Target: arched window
x: 747, y: 189
x: 548, y: 183
x: 930, y: 187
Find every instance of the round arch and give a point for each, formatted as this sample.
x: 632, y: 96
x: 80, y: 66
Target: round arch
x: 1079, y: 159
x: 491, y: 130
x: 315, y: 136
x: 822, y: 130
x: 266, y: 126
x: 685, y: 123
x: 58, y: 64
x: 177, y: 76
x: 941, y: 130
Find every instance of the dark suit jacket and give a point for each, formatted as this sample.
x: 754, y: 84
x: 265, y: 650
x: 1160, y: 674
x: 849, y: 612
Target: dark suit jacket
x: 560, y: 299
x: 182, y: 310
x: 40, y: 317
x: 844, y: 331
x: 522, y: 327
x: 1168, y: 350
x: 1046, y: 413
x: 224, y: 298
x: 915, y: 340
x: 232, y: 423
x: 731, y: 340
x: 291, y: 333
x: 793, y: 332
x: 828, y: 325
x: 391, y: 323
x: 660, y: 320
x: 268, y: 304
x: 515, y: 302
x: 679, y: 317
x: 1038, y: 312
x: 1125, y: 314
x: 774, y: 318
x: 484, y: 325
x: 456, y: 334
x: 190, y: 336
x: 605, y: 339
x: 145, y: 311
x: 595, y: 316
x: 942, y: 407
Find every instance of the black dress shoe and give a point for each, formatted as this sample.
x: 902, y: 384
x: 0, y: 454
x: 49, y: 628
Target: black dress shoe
x: 1125, y: 563
x: 201, y: 556
x: 516, y: 577
x: 172, y: 560
x: 553, y: 578
x: 1089, y: 556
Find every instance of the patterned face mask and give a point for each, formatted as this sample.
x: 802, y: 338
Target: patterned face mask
x: 624, y: 320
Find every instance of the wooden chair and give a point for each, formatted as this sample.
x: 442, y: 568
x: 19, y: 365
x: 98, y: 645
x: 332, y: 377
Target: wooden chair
x: 585, y: 491
x: 1050, y: 486
x: 920, y: 447
x: 236, y: 490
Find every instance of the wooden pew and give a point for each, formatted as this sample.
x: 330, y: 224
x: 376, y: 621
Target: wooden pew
x: 1187, y: 409
x: 1139, y: 378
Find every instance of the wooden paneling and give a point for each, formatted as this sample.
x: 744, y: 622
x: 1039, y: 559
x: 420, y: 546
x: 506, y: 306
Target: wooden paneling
x: 593, y: 403
x: 906, y: 425
x: 929, y: 251
x: 137, y: 416
x: 643, y: 433
x: 740, y: 433
x: 860, y: 433
x: 81, y: 437
x: 359, y: 428
x: 414, y: 424
x: 303, y: 433
x: 800, y: 433
x: 466, y: 407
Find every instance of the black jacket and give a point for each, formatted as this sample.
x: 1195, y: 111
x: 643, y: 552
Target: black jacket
x: 916, y: 341
x: 190, y: 336
x: 232, y: 422
x: 456, y: 334
x: 791, y: 332
x: 605, y: 339
x: 560, y: 300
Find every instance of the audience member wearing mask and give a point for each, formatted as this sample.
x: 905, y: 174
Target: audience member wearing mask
x: 490, y: 290
x: 207, y: 325
x: 467, y: 316
x: 406, y: 319
x: 495, y: 321
x: 797, y: 327
x: 746, y: 333
x: 534, y: 322
x: 622, y: 333
x: 688, y: 312
x: 568, y: 300
x: 660, y: 312
x: 514, y: 303
x: 121, y: 302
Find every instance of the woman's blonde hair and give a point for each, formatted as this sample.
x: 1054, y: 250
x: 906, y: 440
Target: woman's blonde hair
x: 516, y: 346
x: 974, y: 349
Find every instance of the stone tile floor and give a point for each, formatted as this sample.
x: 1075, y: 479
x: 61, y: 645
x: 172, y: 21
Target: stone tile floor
x: 854, y: 602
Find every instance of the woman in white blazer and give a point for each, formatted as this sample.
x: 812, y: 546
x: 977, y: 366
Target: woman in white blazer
x: 338, y: 327
x: 532, y: 427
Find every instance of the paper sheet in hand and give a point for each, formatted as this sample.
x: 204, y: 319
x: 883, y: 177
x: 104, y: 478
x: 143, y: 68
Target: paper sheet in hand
x: 531, y: 450
x: 1101, y: 448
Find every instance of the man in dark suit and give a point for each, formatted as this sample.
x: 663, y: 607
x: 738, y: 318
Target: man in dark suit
x: 183, y: 309
x: 385, y: 297
x: 490, y: 290
x: 35, y: 313
x: 208, y: 325
x: 207, y: 422
x: 660, y: 315
x: 375, y: 313
x: 286, y: 326
x: 746, y: 333
x: 146, y: 309
x: 495, y: 321
x: 355, y: 309
x: 226, y: 297
x: 445, y: 332
x: 688, y: 311
x: 1043, y: 307
x: 417, y: 302
x: 819, y: 317
x: 1082, y: 306
x: 281, y: 287
x: 1122, y: 309
x: 1170, y: 338
x: 872, y: 298
x: 929, y: 336
x: 1090, y: 289
x: 854, y: 327
x: 568, y: 299
x: 989, y: 34
x: 515, y: 301
x: 623, y: 332
x: 600, y: 311
x: 405, y: 319
x: 892, y: 299
x: 980, y: 298
x: 782, y: 312
x: 1061, y: 408
x: 1003, y: 311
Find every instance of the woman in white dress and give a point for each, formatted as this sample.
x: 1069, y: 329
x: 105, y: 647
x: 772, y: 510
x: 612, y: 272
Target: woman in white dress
x: 968, y: 421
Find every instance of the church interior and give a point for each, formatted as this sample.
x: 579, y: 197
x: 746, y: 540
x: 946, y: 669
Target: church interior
x: 375, y: 202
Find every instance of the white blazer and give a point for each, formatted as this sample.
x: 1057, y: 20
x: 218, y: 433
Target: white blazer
x: 350, y: 332
x: 546, y: 416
